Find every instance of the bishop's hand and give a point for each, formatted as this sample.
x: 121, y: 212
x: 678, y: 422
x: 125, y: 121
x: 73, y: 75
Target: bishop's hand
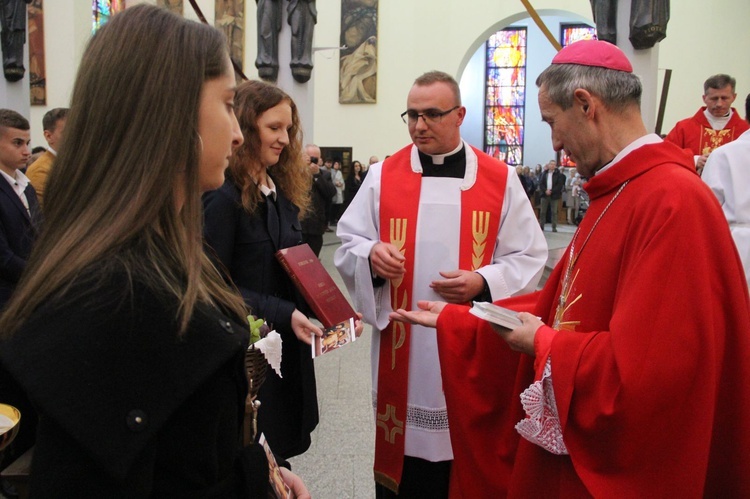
x: 521, y: 339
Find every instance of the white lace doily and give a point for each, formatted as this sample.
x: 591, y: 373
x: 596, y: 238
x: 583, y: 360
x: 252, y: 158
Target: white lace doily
x: 542, y: 424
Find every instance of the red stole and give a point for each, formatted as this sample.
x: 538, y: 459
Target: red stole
x: 481, y: 207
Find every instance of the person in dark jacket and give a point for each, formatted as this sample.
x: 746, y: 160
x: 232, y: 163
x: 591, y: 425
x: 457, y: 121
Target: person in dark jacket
x: 551, y: 186
x: 252, y: 216
x: 122, y: 333
x: 353, y: 181
x: 20, y: 214
x: 314, y: 225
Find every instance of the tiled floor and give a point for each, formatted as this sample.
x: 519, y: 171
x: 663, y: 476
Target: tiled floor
x: 338, y: 465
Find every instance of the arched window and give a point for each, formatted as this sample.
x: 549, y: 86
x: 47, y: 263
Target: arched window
x: 102, y: 10
x: 505, y: 95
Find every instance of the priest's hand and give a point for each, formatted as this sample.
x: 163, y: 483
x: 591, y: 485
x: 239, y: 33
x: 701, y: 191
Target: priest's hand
x: 427, y: 315
x: 459, y: 286
x: 521, y: 339
x: 700, y: 162
x: 387, y: 261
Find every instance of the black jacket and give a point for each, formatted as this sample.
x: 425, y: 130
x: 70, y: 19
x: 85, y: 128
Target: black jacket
x: 321, y: 195
x: 558, y: 184
x: 127, y: 407
x: 18, y: 231
x: 245, y: 247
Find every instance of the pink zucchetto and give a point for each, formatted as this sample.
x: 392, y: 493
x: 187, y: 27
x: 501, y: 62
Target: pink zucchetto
x: 595, y: 53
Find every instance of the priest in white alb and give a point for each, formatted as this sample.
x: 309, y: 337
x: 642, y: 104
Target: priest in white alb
x: 727, y: 173
x: 438, y: 220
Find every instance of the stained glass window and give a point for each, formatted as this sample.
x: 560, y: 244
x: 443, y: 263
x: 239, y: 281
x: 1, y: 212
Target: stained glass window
x: 571, y: 33
x: 505, y: 95
x: 103, y: 10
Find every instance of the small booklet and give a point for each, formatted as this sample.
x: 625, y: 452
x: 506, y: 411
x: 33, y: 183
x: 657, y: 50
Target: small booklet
x: 501, y: 316
x: 334, y: 338
x: 280, y: 488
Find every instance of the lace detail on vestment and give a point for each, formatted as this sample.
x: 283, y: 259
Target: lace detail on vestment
x: 422, y: 418
x: 542, y: 424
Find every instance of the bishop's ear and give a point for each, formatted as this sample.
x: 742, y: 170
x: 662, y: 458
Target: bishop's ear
x: 582, y: 98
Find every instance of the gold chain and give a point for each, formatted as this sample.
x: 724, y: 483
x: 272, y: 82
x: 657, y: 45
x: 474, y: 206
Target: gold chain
x: 573, y: 258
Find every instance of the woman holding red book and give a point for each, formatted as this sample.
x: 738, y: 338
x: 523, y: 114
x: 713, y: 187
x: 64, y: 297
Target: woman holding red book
x: 254, y: 214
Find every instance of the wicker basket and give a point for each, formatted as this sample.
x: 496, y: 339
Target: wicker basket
x: 256, y: 366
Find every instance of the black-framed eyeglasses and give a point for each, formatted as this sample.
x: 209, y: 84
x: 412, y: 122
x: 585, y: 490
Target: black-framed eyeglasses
x: 432, y: 116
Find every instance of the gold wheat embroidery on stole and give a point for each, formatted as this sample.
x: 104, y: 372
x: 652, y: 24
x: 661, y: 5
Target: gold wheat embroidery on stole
x: 480, y: 225
x: 399, y: 297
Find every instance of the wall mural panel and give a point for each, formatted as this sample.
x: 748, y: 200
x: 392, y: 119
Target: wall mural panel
x: 37, y: 68
x: 230, y: 18
x: 358, y: 66
x: 175, y: 6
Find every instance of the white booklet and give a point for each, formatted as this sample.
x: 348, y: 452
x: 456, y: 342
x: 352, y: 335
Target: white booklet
x: 501, y: 316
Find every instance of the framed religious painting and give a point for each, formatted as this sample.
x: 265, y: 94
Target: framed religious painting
x: 358, y: 63
x: 174, y: 6
x: 230, y: 18
x: 37, y: 66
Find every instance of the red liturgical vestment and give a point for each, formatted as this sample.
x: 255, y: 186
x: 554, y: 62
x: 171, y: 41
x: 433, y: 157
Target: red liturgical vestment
x: 696, y: 134
x: 649, y: 366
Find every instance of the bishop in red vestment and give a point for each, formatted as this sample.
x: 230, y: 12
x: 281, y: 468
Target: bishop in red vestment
x: 633, y: 383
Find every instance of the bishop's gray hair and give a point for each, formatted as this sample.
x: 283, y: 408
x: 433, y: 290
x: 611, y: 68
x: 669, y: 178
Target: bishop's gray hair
x: 616, y: 89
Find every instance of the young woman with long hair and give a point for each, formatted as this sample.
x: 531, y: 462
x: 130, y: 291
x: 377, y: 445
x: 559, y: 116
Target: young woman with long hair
x: 122, y: 332
x: 254, y: 214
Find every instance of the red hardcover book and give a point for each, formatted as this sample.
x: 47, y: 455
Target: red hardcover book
x: 316, y: 285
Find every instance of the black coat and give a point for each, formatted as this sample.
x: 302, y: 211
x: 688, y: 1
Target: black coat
x: 127, y: 407
x: 246, y: 248
x: 352, y: 186
x: 321, y: 195
x: 18, y: 231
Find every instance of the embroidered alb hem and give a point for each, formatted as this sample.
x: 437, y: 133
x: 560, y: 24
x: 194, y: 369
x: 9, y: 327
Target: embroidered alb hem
x: 423, y: 418
x: 542, y: 424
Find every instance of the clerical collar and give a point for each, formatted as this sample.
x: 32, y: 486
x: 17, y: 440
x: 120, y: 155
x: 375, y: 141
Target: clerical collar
x: 647, y: 139
x: 717, y: 123
x: 452, y: 164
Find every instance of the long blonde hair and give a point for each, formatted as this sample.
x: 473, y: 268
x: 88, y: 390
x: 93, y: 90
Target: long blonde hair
x: 291, y: 174
x: 130, y: 136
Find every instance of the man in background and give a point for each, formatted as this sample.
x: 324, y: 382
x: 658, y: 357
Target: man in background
x: 551, y: 186
x: 715, y: 124
x: 54, y: 126
x: 19, y: 208
x: 314, y: 225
